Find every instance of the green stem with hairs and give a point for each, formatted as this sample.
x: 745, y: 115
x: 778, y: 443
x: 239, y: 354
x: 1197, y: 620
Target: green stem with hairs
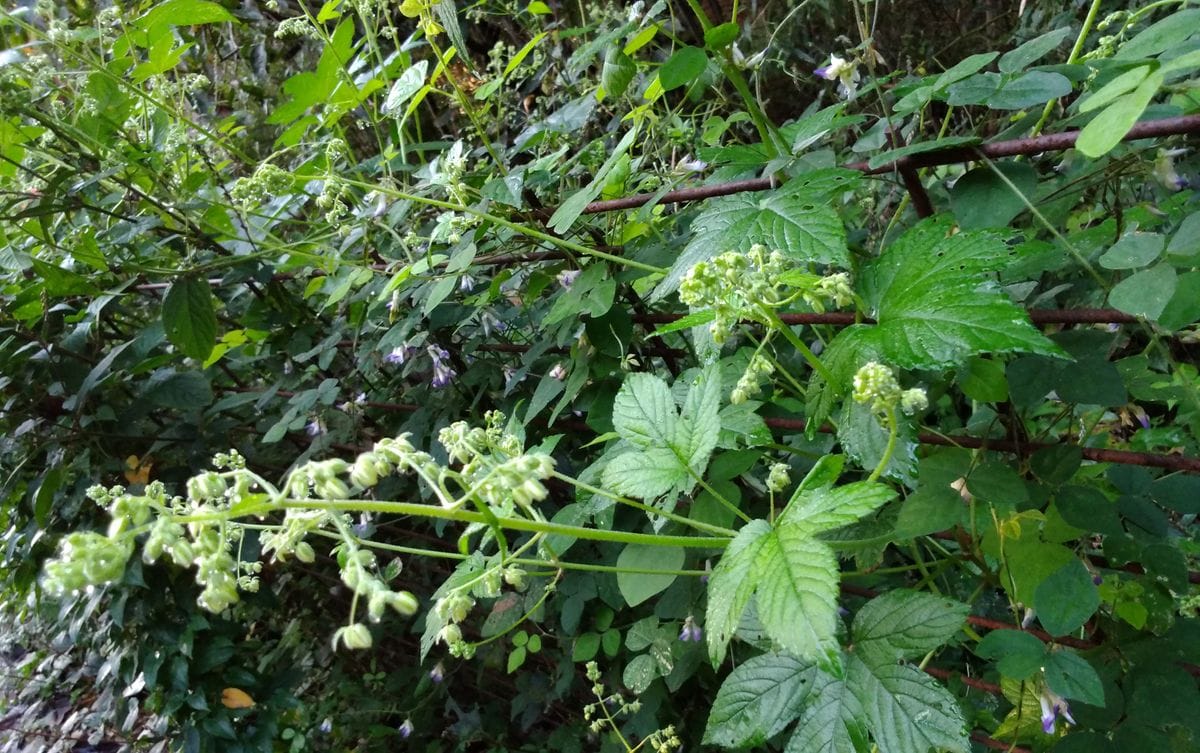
x: 893, y: 433
x: 1076, y: 51
x: 514, y: 226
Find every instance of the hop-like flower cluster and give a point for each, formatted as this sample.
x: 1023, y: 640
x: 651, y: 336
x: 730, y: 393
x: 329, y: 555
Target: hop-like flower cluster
x: 876, y: 387
x: 760, y: 367
x: 734, y: 286
x: 266, y: 182
x: 779, y: 477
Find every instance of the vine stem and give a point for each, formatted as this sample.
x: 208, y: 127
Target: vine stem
x: 1088, y: 22
x: 516, y: 524
x: 465, y: 104
x: 893, y: 432
x: 514, y: 226
x: 777, y: 323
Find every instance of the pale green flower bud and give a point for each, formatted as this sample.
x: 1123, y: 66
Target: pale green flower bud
x: 364, y: 472
x: 913, y: 401
x: 778, y: 479
x: 356, y: 636
x: 515, y: 577
x: 404, y: 603
x: 304, y: 552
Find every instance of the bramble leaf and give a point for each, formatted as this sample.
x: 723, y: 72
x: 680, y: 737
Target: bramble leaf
x: 796, y: 220
x: 758, y: 699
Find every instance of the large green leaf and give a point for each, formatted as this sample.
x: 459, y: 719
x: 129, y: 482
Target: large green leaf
x: 833, y: 722
x: 645, y: 473
x: 731, y: 586
x: 907, y: 710
x: 700, y: 424
x: 825, y: 508
x: 796, y: 220
x: 188, y: 317
x: 936, y: 304
x: 644, y: 411
x: 905, y: 624
x: 671, y: 451
x: 797, y: 588
x: 758, y: 700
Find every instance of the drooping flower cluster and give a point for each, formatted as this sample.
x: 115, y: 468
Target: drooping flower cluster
x: 760, y: 367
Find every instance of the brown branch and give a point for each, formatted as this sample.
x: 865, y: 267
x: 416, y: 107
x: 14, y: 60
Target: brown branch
x: 1054, y: 142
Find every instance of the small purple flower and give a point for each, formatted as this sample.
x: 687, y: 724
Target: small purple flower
x: 567, y: 277
x: 1097, y: 580
x: 326, y: 726
x: 399, y: 355
x: 405, y: 729
x: 691, y: 631
x: 466, y: 283
x: 1053, y: 706
x: 438, y: 673
x: 315, y: 428
x: 442, y: 373
x: 490, y: 324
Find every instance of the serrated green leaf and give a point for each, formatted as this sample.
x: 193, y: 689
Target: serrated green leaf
x: 796, y: 220
x: 694, y: 319
x: 645, y: 473
x: 644, y: 411
x: 758, y: 699
x: 907, y: 710
x: 188, y: 317
x: 832, y: 722
x: 823, y: 509
x: 797, y: 588
x: 635, y: 586
x: 699, y: 425
x: 865, y: 440
x: 731, y: 586
x: 905, y: 624
x: 935, y: 303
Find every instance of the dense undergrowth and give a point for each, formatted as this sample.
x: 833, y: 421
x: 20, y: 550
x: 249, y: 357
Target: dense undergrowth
x: 334, y: 419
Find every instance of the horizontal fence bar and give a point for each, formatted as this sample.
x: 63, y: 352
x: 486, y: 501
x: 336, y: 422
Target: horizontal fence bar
x: 841, y: 318
x: 1122, y: 457
x: 1054, y: 142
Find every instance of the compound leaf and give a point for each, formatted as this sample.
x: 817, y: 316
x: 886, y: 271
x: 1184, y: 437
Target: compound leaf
x: 759, y: 699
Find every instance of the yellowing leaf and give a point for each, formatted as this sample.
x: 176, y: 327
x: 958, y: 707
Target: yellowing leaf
x: 137, y: 470
x: 234, y: 698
